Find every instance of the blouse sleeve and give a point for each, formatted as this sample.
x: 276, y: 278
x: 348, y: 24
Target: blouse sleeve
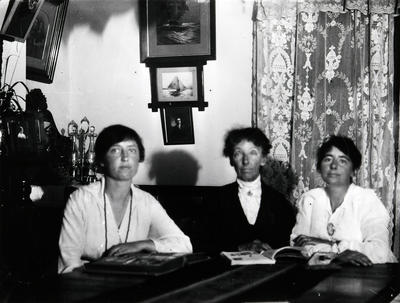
x: 303, y: 217
x: 374, y: 221
x: 165, y: 234
x: 71, y: 236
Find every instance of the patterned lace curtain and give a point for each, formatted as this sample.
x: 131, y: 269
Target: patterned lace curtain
x: 324, y: 67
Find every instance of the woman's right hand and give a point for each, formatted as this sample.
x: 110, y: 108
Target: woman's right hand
x: 303, y: 240
x: 131, y: 247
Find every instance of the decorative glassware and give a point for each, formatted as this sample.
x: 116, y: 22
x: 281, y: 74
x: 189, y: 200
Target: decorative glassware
x: 83, y: 167
x: 90, y: 157
x: 75, y: 156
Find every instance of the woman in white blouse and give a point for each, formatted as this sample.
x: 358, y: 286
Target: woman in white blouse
x: 342, y: 217
x: 112, y: 216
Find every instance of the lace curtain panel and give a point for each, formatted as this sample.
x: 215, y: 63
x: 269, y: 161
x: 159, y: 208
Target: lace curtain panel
x: 324, y: 67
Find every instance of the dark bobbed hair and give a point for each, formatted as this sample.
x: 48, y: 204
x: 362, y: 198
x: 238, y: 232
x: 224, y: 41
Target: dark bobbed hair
x: 113, y: 134
x: 251, y: 134
x: 344, y: 144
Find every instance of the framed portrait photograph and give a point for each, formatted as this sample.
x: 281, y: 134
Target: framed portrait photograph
x: 19, y: 18
x: 177, y: 125
x: 43, y: 42
x: 177, y: 28
x: 177, y: 85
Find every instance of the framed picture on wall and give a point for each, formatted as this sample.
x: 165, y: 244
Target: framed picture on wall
x: 19, y: 18
x: 43, y: 42
x: 177, y: 125
x: 177, y: 85
x: 177, y: 28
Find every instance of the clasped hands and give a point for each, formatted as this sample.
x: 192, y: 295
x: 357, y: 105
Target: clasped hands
x: 346, y: 257
x: 131, y: 247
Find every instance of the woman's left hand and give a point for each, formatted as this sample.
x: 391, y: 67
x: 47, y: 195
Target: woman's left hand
x: 303, y: 240
x: 352, y: 257
x: 131, y: 247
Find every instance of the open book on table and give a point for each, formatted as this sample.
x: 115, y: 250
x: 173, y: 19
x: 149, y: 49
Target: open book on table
x: 142, y: 263
x: 266, y: 257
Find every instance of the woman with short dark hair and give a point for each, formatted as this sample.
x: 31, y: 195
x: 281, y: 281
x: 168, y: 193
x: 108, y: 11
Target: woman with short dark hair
x: 342, y: 217
x: 114, y: 134
x: 345, y: 144
x: 112, y: 216
x: 248, y: 214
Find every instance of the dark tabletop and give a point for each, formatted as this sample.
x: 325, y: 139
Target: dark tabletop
x: 216, y: 281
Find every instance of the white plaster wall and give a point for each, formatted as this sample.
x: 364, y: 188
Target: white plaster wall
x: 99, y: 75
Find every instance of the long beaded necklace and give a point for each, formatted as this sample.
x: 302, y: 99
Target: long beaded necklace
x: 105, y: 219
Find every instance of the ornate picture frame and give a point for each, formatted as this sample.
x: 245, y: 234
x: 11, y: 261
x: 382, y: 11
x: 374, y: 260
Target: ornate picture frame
x: 43, y: 42
x: 177, y: 28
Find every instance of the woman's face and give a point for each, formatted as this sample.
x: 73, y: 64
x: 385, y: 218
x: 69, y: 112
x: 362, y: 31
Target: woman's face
x: 336, y: 167
x: 247, y: 159
x: 121, y: 161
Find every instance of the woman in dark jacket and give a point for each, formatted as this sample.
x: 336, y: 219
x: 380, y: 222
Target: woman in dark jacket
x: 248, y: 214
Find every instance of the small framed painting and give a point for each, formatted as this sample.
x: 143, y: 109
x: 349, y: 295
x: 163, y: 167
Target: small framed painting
x: 43, y: 42
x: 175, y: 84
x: 177, y: 28
x: 177, y: 125
x: 180, y: 85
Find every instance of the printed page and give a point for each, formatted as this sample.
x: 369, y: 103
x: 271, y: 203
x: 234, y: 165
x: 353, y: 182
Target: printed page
x: 246, y: 258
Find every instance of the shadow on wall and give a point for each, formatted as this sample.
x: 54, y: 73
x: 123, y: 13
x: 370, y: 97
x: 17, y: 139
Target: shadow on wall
x: 96, y: 13
x: 174, y: 168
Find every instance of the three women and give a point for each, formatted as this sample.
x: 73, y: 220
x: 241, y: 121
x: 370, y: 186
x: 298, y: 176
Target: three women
x: 114, y: 217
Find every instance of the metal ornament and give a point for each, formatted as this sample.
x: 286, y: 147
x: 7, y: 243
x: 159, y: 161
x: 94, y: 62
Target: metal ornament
x: 331, y: 229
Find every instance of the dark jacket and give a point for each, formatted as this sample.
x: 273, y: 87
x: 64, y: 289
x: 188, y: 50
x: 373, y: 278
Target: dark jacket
x: 229, y: 227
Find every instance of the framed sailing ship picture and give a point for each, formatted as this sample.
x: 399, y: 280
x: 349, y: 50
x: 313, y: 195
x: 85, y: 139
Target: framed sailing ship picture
x: 177, y: 85
x: 177, y: 28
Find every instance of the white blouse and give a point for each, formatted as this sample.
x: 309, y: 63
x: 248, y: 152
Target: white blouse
x: 85, y: 230
x: 250, y: 198
x: 360, y: 223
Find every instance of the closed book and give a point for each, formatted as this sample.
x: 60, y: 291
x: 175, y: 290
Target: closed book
x: 152, y: 264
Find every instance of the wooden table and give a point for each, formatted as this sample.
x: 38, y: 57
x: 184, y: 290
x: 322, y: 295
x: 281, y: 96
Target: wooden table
x: 379, y: 283
x: 216, y: 281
